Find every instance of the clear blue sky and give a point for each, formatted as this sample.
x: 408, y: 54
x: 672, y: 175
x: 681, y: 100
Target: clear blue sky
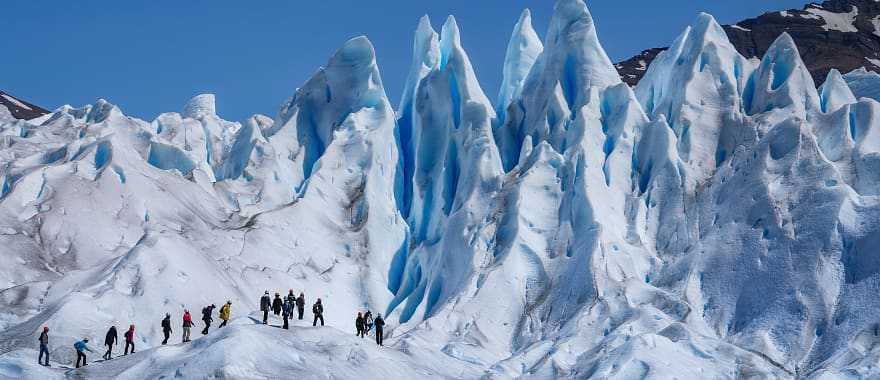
x: 149, y: 57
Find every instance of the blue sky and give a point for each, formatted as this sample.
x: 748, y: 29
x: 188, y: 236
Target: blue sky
x: 151, y: 58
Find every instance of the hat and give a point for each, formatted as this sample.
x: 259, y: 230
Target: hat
x: 229, y: 302
x: 85, y: 339
x: 267, y: 292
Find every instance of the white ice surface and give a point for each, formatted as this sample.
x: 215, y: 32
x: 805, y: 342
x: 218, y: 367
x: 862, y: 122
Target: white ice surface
x: 719, y: 221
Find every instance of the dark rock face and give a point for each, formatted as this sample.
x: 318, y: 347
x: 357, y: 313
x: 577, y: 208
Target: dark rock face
x: 634, y: 68
x: 21, y: 109
x: 839, y: 34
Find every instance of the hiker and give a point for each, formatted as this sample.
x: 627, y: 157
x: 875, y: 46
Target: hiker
x: 166, y: 328
x: 318, y: 310
x: 380, y: 326
x: 292, y: 298
x: 277, y: 304
x: 287, y: 312
x: 265, y: 305
x: 359, y: 325
x: 225, y: 310
x: 129, y: 340
x: 368, y: 322
x: 301, y: 305
x: 187, y: 325
x: 207, y: 312
x: 109, y: 340
x: 44, y: 346
x: 81, y: 348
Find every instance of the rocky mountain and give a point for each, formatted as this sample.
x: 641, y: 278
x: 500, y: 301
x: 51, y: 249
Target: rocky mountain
x: 836, y: 34
x: 19, y: 109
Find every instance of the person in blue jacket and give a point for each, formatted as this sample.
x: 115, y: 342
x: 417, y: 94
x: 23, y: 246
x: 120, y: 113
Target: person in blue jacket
x: 81, y: 348
x: 287, y: 312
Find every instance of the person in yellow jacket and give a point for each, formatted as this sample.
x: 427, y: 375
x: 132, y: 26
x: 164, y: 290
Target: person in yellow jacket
x: 224, y: 312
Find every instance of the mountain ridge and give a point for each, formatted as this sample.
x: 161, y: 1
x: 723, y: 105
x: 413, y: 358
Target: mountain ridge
x: 834, y: 34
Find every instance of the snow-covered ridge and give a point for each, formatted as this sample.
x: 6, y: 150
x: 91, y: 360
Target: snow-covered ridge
x: 717, y: 221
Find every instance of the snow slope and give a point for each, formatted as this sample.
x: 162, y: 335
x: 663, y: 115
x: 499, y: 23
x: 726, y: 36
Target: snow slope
x: 717, y: 221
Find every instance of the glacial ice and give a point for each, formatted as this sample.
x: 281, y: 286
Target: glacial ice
x: 719, y: 220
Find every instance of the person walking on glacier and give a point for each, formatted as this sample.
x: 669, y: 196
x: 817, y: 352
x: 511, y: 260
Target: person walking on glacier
x: 187, y: 325
x: 287, y: 312
x: 318, y: 310
x: 368, y: 322
x: 110, y: 339
x: 359, y: 325
x: 225, y: 311
x: 277, y: 304
x: 380, y: 329
x: 81, y: 348
x: 292, y: 298
x: 207, y: 317
x: 301, y: 305
x: 166, y: 328
x: 265, y: 305
x: 129, y: 340
x: 44, y: 346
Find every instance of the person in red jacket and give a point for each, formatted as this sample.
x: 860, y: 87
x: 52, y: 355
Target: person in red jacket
x: 129, y: 339
x: 187, y: 325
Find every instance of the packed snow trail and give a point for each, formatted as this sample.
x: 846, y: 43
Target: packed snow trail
x: 716, y: 221
x: 245, y: 350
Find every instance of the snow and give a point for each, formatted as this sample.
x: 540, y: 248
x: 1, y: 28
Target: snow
x: 737, y: 27
x: 15, y: 101
x: 717, y: 221
x: 843, y: 22
x: 876, y: 23
x: 874, y: 61
x: 864, y: 83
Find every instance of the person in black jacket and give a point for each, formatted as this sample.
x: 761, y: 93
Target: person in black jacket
x: 318, y: 310
x: 380, y: 328
x: 109, y: 340
x: 301, y: 305
x: 359, y: 325
x: 292, y: 299
x: 265, y: 305
x: 166, y: 328
x: 277, y: 303
x: 207, y: 313
x: 287, y: 313
x: 44, y: 346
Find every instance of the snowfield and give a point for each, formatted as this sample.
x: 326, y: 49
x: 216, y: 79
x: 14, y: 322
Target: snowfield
x: 719, y: 220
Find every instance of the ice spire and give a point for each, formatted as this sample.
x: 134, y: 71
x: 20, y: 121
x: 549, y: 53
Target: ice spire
x: 835, y: 93
x: 780, y: 81
x: 571, y: 67
x: 426, y: 57
x: 465, y: 80
x: 200, y: 105
x: 578, y: 56
x: 696, y: 85
x: 523, y: 49
x: 454, y: 163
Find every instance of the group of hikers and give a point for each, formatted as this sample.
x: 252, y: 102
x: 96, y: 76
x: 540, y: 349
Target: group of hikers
x: 284, y: 307
x: 364, y: 323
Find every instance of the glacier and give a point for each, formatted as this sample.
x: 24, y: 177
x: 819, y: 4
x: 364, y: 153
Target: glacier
x: 720, y: 219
